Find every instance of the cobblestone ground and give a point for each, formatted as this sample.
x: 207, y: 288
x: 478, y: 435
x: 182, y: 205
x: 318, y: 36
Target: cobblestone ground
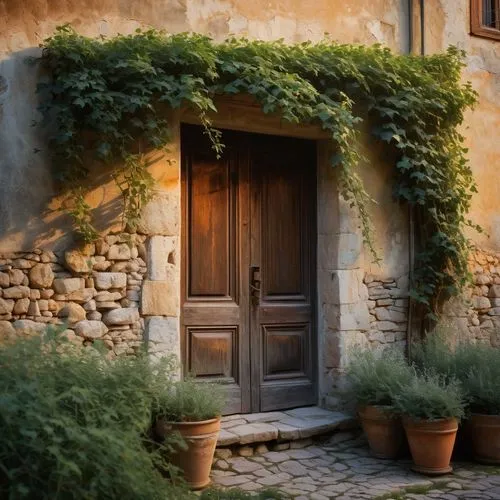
x: 342, y: 468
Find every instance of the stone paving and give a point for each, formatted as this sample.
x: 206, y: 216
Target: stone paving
x: 341, y: 467
x: 288, y: 425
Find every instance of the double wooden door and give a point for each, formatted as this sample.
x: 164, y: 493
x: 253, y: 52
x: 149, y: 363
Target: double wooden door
x: 248, y: 279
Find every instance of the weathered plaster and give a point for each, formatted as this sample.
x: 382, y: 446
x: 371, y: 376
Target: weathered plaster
x: 448, y: 23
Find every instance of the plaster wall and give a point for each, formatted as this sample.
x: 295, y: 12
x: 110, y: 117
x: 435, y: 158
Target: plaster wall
x: 26, y: 189
x: 448, y: 23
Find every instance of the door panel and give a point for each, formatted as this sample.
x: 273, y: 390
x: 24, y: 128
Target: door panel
x: 283, y: 211
x: 211, y: 203
x: 215, y: 306
x: 250, y: 215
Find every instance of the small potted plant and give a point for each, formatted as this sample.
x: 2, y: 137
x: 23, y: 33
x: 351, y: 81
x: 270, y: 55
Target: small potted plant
x: 431, y: 407
x: 193, y: 410
x: 373, y: 380
x: 482, y: 385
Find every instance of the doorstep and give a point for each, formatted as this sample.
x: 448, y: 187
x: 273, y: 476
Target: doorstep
x: 289, y: 425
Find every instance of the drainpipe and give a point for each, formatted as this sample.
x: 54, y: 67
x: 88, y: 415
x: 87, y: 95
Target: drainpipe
x: 410, y: 26
x: 411, y: 211
x: 422, y: 27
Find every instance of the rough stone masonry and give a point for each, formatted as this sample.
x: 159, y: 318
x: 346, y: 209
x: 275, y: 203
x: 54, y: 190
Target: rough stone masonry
x: 95, y: 291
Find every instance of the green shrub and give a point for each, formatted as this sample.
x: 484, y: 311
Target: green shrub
x: 475, y: 366
x: 374, y: 377
x: 435, y: 353
x: 480, y: 377
x: 74, y: 424
x: 190, y: 401
x: 430, y: 396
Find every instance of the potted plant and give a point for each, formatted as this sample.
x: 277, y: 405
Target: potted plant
x: 193, y: 410
x: 482, y: 385
x: 431, y: 406
x: 373, y: 379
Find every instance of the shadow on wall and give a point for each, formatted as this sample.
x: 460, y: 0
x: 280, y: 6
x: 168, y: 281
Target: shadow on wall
x: 29, y: 214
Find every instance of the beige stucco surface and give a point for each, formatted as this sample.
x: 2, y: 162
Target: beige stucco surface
x: 448, y: 24
x: 26, y: 189
x: 27, y: 219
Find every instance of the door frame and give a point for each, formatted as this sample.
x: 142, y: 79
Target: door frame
x: 310, y: 133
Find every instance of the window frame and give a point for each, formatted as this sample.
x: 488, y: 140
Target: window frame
x: 476, y: 21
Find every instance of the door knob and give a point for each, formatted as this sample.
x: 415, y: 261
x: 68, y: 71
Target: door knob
x: 255, y: 283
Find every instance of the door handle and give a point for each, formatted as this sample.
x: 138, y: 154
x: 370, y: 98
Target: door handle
x: 255, y: 284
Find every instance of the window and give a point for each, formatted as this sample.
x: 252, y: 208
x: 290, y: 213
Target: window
x: 485, y: 18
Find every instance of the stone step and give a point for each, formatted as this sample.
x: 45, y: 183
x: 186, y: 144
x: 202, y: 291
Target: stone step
x: 288, y: 425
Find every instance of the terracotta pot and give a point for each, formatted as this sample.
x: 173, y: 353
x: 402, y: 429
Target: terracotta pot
x: 431, y: 444
x: 201, y: 438
x: 485, y: 434
x: 384, y: 431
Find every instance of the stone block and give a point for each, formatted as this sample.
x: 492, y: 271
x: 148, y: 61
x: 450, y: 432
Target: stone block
x: 254, y: 433
x: 68, y: 285
x: 226, y: 438
x: 16, y: 292
x: 386, y: 326
x: 480, y: 302
x: 90, y: 329
x: 352, y: 317
x: 385, y: 314
x: 350, y: 251
x: 21, y: 306
x: 165, y: 333
x: 494, y: 291
x: 33, y: 309
x: 119, y: 252
x: 106, y: 296
x: 123, y: 316
x: 6, y: 306
x: 4, y: 280
x: 72, y: 313
x: 159, y: 298
x: 350, y: 286
x: 16, y: 277
x: 105, y: 281
x: 159, y: 257
x: 81, y: 296
x: 161, y: 215
x: 41, y: 276
x: 80, y: 260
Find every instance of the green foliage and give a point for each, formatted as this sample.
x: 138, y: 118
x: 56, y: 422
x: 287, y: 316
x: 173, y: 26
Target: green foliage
x: 374, y: 377
x: 74, y: 425
x: 190, y: 401
x: 436, y: 353
x: 108, y: 97
x: 475, y: 366
x: 135, y: 183
x: 482, y: 383
x: 430, y: 396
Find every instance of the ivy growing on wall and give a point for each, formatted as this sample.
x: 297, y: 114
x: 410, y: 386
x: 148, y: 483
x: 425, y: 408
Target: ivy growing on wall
x: 107, y: 99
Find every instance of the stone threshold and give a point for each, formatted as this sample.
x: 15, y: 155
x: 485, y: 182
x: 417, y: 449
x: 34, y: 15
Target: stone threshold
x: 282, y: 426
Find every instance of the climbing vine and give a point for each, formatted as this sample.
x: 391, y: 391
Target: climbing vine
x: 108, y: 97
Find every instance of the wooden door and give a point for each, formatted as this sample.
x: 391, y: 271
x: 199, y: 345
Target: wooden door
x: 248, y: 239
x: 283, y: 184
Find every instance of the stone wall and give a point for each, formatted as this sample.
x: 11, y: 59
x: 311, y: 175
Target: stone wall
x: 95, y: 291
x: 388, y: 308
x: 476, y: 314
